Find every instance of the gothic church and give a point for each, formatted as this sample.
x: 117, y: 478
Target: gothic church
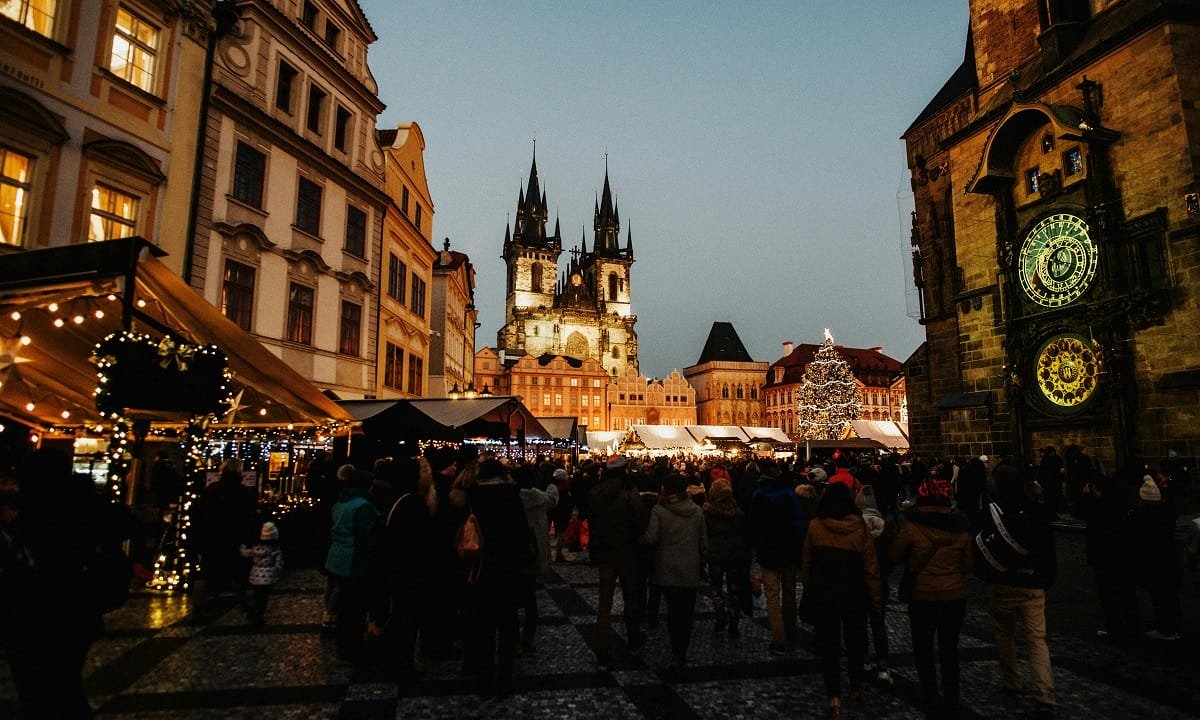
x: 584, y: 312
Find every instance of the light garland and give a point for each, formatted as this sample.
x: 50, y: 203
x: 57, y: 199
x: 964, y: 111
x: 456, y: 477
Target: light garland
x: 827, y: 399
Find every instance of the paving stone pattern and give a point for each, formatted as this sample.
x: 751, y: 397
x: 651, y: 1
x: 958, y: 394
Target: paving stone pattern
x: 153, y: 665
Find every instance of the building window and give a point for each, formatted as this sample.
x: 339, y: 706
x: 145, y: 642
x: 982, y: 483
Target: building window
x: 351, y: 329
x: 134, y: 45
x: 574, y: 382
x: 397, y: 277
x: 417, y: 216
x: 393, y: 367
x: 16, y: 171
x: 316, y: 108
x: 595, y: 383
x: 300, y: 314
x: 417, y: 302
x: 308, y: 207
x: 332, y: 33
x: 1073, y: 161
x: 249, y: 174
x: 558, y: 399
x: 404, y: 201
x: 546, y: 399
x: 341, y: 128
x: 356, y: 231
x: 416, y: 369
x: 309, y: 15
x: 37, y: 15
x: 1031, y: 181
x: 612, y: 286
x: 237, y: 293
x: 283, y: 87
x: 114, y: 214
x: 583, y: 400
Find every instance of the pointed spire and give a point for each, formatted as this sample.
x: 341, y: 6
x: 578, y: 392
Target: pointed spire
x: 533, y: 192
x: 557, y: 229
x: 606, y: 196
x: 629, y: 240
x: 583, y: 242
x: 507, y: 235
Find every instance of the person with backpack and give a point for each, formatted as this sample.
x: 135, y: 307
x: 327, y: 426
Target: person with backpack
x: 840, y: 573
x: 934, y: 548
x: 777, y: 527
x: 1014, y: 554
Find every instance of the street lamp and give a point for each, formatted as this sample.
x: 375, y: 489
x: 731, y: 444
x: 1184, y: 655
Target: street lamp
x: 454, y: 392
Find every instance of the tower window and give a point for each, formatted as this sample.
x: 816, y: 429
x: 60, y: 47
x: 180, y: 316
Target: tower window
x: 1073, y: 161
x: 1031, y: 181
x: 612, y: 287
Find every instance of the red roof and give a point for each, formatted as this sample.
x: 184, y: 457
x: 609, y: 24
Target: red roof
x: 869, y: 365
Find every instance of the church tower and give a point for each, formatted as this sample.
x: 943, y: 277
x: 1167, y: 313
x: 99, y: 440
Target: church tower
x: 607, y: 267
x: 530, y: 255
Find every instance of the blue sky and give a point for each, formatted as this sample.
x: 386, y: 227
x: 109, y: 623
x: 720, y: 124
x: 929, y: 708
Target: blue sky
x: 753, y: 147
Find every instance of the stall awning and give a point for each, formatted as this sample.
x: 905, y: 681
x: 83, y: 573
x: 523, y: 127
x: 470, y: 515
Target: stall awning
x: 84, y: 288
x: 561, y: 428
x: 661, y: 437
x: 888, y: 433
x: 604, y: 440
x: 446, y: 418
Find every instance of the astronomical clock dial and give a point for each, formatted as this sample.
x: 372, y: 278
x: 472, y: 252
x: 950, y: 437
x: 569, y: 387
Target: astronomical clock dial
x: 1058, y: 260
x: 1067, y: 371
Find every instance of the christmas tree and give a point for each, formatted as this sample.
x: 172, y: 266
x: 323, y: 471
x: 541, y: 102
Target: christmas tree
x: 827, y: 400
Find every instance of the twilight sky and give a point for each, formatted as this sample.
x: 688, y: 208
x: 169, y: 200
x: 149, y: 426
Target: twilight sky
x: 753, y: 147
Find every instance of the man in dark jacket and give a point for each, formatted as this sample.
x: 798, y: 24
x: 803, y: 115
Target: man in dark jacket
x: 777, y: 526
x: 1015, y: 555
x: 614, y: 550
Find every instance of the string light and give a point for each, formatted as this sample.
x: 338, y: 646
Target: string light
x: 59, y: 322
x: 25, y: 340
x: 16, y: 315
x: 52, y: 307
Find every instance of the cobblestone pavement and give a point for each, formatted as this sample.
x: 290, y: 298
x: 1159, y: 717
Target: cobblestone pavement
x: 151, y: 664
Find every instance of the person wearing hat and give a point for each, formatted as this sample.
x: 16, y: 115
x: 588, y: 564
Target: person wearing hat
x: 935, y: 544
x: 615, y: 527
x: 1152, y: 526
x: 1014, y: 553
x: 266, y: 565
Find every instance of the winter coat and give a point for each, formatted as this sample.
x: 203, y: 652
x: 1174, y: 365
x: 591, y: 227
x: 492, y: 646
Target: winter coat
x: 612, y: 521
x: 1016, y: 545
x: 777, y: 525
x: 726, y: 537
x: 538, y: 504
x: 352, y: 536
x: 408, y: 538
x: 839, y: 567
x: 508, y: 543
x: 677, y: 532
x: 935, y: 540
x: 266, y: 563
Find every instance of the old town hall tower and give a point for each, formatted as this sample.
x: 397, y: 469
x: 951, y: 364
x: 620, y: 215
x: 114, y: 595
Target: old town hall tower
x: 583, y: 312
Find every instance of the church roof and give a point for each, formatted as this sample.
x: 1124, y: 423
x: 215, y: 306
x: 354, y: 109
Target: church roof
x: 723, y: 344
x: 960, y: 82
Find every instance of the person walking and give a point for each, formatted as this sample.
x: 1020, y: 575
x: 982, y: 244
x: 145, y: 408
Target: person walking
x: 613, y: 549
x: 225, y: 518
x: 777, y: 526
x: 405, y: 562
x: 1014, y: 554
x: 351, y: 564
x: 266, y: 566
x: 1110, y: 553
x: 934, y: 547
x: 840, y: 573
x: 726, y: 527
x: 882, y: 529
x: 677, y: 533
x: 539, y: 495
x: 1153, y: 533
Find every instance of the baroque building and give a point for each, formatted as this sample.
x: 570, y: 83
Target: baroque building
x: 727, y: 380
x: 1056, y: 236
x: 585, y: 312
x: 288, y: 237
x: 549, y: 385
x: 99, y: 120
x: 876, y: 377
x: 634, y: 399
x: 406, y: 318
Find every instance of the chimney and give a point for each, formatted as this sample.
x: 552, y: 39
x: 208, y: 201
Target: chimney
x: 788, y: 347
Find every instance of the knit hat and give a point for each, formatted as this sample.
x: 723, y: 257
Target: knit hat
x: 934, y: 492
x: 560, y: 475
x: 616, y: 462
x: 269, y: 532
x: 983, y: 459
x: 1149, y: 491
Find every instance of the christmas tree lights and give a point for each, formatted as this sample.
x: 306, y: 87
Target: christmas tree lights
x: 827, y: 399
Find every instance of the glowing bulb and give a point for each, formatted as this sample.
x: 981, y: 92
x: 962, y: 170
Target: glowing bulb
x: 66, y: 414
x: 141, y: 303
x: 262, y: 411
x: 58, y: 322
x: 52, y: 307
x: 16, y: 315
x: 78, y: 319
x: 25, y: 339
x: 111, y: 297
x: 30, y: 406
x: 99, y: 314
x: 2, y: 428
x: 34, y: 438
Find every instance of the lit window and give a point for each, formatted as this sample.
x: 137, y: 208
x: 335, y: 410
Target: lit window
x: 1073, y: 161
x: 300, y: 314
x: 15, y: 174
x: 558, y: 399
x: 114, y: 214
x: 134, y: 45
x: 351, y: 328
x: 1031, y: 181
x: 37, y: 15
x: 237, y: 293
x: 249, y: 174
x: 546, y: 399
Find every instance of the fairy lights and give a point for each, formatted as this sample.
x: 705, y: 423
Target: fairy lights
x: 827, y: 399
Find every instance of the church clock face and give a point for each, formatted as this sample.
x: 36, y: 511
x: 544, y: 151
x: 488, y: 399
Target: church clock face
x: 1058, y: 260
x: 1067, y: 370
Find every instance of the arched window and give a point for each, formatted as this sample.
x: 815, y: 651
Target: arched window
x: 725, y: 392
x: 740, y: 392
x: 616, y: 353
